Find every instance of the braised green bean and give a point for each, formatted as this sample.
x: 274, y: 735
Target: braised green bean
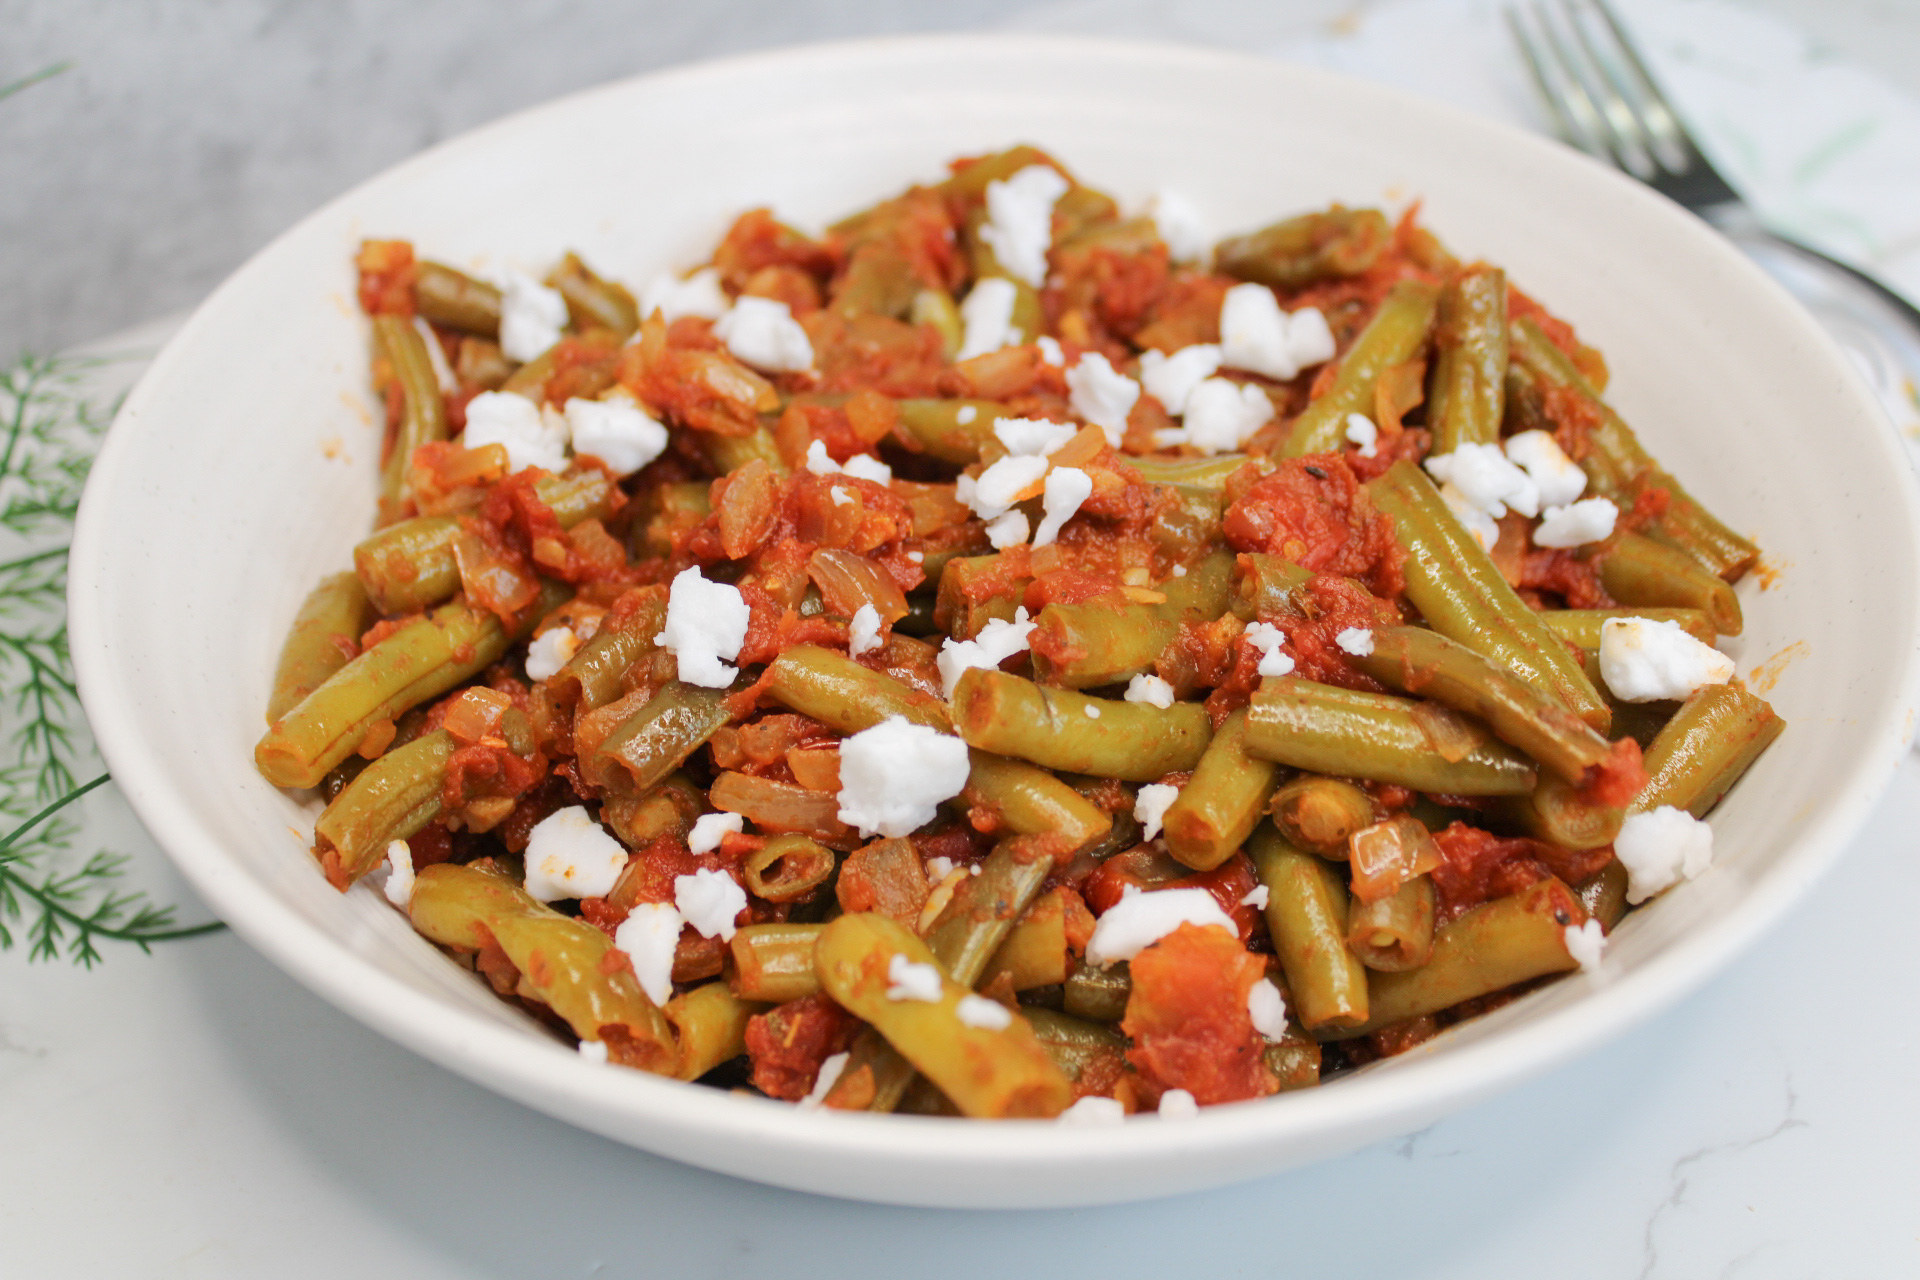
x: 1582, y: 626
x: 1470, y: 360
x: 456, y: 300
x: 325, y: 635
x: 1718, y: 732
x: 1397, y: 334
x: 774, y: 962
x: 1640, y: 571
x: 1321, y: 814
x: 1219, y: 807
x: 423, y: 412
x: 845, y: 696
x: 390, y: 799
x: 1394, y: 933
x: 1061, y: 729
x: 1307, y: 917
x: 1327, y: 245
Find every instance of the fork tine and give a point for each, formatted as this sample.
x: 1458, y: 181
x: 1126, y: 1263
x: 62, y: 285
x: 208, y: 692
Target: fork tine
x: 1622, y: 128
x: 1662, y: 124
x: 1580, y: 128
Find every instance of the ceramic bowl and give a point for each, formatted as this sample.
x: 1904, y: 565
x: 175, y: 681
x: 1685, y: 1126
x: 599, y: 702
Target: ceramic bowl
x: 242, y: 469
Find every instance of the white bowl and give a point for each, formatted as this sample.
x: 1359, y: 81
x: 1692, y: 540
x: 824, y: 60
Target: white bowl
x: 242, y: 469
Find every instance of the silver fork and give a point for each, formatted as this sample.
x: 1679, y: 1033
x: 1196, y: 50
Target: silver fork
x: 1605, y: 101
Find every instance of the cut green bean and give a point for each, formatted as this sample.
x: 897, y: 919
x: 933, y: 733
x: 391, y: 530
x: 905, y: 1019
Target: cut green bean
x: 390, y: 799
x: 711, y: 1025
x: 774, y: 962
x: 1227, y: 796
x: 423, y: 411
x: 1030, y: 800
x: 594, y: 303
x: 455, y: 300
x: 658, y: 738
x: 1604, y: 894
x: 845, y: 696
x: 1396, y: 334
x: 595, y: 675
x: 1328, y: 245
x: 1470, y: 360
x: 1394, y: 933
x: 1307, y: 917
x: 1098, y: 993
x: 1556, y: 811
x: 1321, y: 814
x: 1582, y: 626
x: 324, y: 637
x: 1719, y: 731
x: 1639, y: 571
x: 950, y: 430
x: 1061, y: 729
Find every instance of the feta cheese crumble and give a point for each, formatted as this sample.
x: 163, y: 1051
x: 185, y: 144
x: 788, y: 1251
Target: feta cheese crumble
x: 1257, y: 336
x: 699, y: 295
x: 1009, y: 530
x: 1660, y: 848
x: 1150, y: 689
x: 986, y: 317
x: 709, y: 829
x: 1102, y: 395
x: 399, y: 886
x: 763, y: 333
x: 894, y: 776
x: 531, y: 316
x: 1032, y: 437
x: 910, y: 980
x: 1221, y: 415
x: 1178, y: 1104
x: 1139, y: 920
x: 1477, y: 523
x: 549, y: 651
x: 1180, y: 226
x: 1019, y: 226
x: 1558, y: 477
x: 593, y: 1050
x: 826, y: 1078
x: 1586, y: 943
x: 1067, y: 488
x: 863, y: 631
x: 617, y: 431
x: 985, y: 1014
x: 939, y: 868
x: 841, y: 498
x: 993, y: 492
x: 1150, y: 807
x: 997, y: 641
x: 1050, y: 351
x: 1486, y: 479
x: 1268, y: 1008
x: 1357, y: 641
x: 1256, y: 898
x: 1268, y: 638
x: 864, y: 466
x: 1643, y: 660
x: 570, y: 856
x: 706, y: 625
x: 1361, y: 431
x: 1576, y: 524
x: 1093, y: 1110
x: 965, y: 414
x: 649, y: 936
x: 1170, y: 379
x: 516, y: 424
x: 1093, y: 711
x: 819, y: 462
x: 710, y: 901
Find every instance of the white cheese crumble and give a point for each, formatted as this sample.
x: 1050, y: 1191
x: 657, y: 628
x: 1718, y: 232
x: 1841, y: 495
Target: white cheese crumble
x: 997, y: 641
x: 1256, y: 898
x: 819, y: 462
x: 965, y: 414
x: 1150, y: 807
x: 986, y: 317
x: 1019, y: 226
x: 1660, y: 848
x: 1477, y: 523
x: 938, y: 869
x: 1170, y: 379
x: 1150, y: 689
x: 864, y: 466
x: 841, y: 498
x: 550, y: 651
x: 1257, y: 336
x: 1050, y: 351
x: 1179, y: 571
x: 649, y: 935
x: 1102, y: 395
x: 863, y: 631
x: 593, y: 1050
x: 710, y: 901
x: 1178, y: 1104
x: 437, y: 357
x: 570, y: 856
x: 1586, y: 943
x: 826, y: 1078
x: 1139, y: 920
x: 709, y: 829
x: 1009, y: 530
x: 894, y: 776
x: 1309, y: 338
x: 1221, y: 415
x: 1361, y: 431
x: 1357, y: 641
x: 985, y: 1014
x: 1067, y: 488
x: 764, y: 334
x: 1268, y: 638
x: 516, y: 424
x: 1094, y: 1110
x: 994, y: 491
x: 1093, y: 712
x: 1485, y: 478
x: 1576, y: 524
x: 699, y: 294
x: 1180, y: 226
x: 1644, y: 660
x: 910, y: 980
x: 1268, y: 1008
x: 918, y: 557
x: 1558, y: 477
x: 617, y: 431
x: 531, y: 316
x: 399, y: 886
x: 706, y: 625
x: 1032, y: 437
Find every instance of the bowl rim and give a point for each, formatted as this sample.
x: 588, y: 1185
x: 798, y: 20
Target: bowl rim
x: 550, y: 1077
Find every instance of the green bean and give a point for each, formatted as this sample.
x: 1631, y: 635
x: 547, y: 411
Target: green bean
x: 987, y: 1073
x: 1189, y: 524
x: 1295, y: 1061
x: 1470, y: 360
x: 1640, y: 571
x: 1209, y: 474
x: 594, y: 303
x: 1620, y: 469
x: 712, y: 1025
x: 423, y: 413
x: 1321, y: 814
x: 325, y: 634
x: 562, y: 961
x: 639, y: 817
x: 1034, y: 952
x: 1582, y: 626
x: 774, y: 962
x: 1289, y: 255
x: 1604, y: 894
x: 1396, y: 334
x: 1074, y: 1044
x: 968, y: 184
x: 1490, y: 948
x: 1307, y: 917
x: 670, y: 509
x: 1060, y: 729
x: 1216, y: 811
x: 1269, y: 586
x: 936, y: 307
x: 1030, y: 801
x: 1556, y: 811
x: 728, y: 454
x: 596, y: 673
x: 1097, y: 993
x: 1718, y: 732
x: 1417, y: 661
x: 421, y: 660
x: 1088, y: 216
x: 787, y: 867
x: 1395, y: 932
x: 845, y: 696
x: 878, y: 279
x: 658, y: 738
x: 1351, y: 734
x: 976, y: 590
x: 390, y: 799
x: 1456, y: 587
x: 977, y: 919
x: 950, y: 430
x: 455, y: 300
